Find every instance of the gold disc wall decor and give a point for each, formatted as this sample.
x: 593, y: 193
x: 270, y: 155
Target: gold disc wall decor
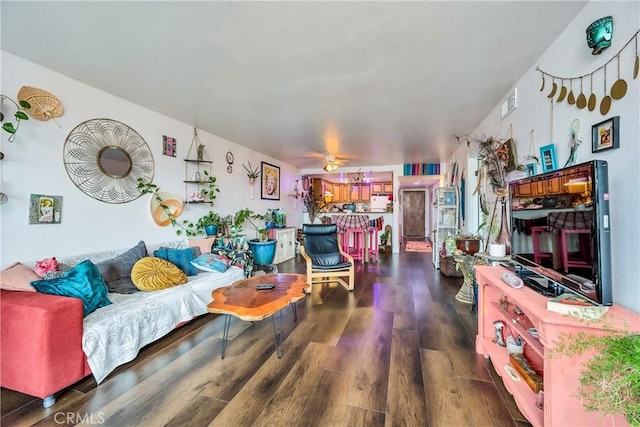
x: 104, y: 158
x: 617, y: 91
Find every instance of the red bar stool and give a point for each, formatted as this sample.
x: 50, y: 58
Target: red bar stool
x: 373, y: 243
x: 537, y: 254
x: 354, y: 243
x: 584, y: 258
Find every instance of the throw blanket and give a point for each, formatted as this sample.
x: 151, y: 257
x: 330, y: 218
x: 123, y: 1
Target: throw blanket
x: 113, y: 335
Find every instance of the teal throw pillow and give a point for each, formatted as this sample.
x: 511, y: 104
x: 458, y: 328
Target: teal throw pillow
x: 83, y: 281
x: 212, y: 263
x: 181, y: 258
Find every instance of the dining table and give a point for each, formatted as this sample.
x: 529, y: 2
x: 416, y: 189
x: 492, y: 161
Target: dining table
x: 358, y: 221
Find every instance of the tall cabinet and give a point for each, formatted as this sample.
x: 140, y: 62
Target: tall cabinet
x: 446, y: 205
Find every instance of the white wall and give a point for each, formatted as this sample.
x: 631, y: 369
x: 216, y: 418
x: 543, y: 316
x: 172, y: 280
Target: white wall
x: 33, y: 165
x: 570, y: 56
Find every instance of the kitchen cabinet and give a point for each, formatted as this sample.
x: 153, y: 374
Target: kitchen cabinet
x: 285, y: 243
x: 382, y: 188
x: 340, y: 193
x: 554, y: 185
x: 365, y: 193
x: 360, y: 193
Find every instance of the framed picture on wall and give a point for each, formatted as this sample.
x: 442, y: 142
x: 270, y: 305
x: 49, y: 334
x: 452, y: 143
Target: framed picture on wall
x: 270, y: 188
x: 168, y: 146
x: 548, y: 158
x: 604, y: 135
x: 531, y: 169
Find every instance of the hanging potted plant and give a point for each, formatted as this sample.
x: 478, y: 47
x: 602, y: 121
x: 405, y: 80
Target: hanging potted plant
x: 252, y: 174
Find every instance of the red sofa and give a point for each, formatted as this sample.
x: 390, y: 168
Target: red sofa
x: 52, y: 358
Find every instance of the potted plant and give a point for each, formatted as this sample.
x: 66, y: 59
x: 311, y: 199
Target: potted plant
x: 209, y: 223
x: 467, y: 242
x: 610, y: 380
x: 263, y: 248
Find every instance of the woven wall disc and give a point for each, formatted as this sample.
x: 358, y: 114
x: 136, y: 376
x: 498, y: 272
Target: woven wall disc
x: 44, y: 105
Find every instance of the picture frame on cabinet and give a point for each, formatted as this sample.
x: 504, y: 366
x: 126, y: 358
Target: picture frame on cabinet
x: 604, y: 135
x: 270, y: 188
x: 548, y: 158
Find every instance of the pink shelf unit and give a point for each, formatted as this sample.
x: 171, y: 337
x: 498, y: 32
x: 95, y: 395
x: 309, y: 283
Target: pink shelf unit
x: 561, y: 407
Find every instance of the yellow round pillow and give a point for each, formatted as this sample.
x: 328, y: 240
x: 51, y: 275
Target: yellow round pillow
x: 154, y: 274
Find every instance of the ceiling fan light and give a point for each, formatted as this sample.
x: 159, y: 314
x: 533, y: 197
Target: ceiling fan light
x: 330, y: 167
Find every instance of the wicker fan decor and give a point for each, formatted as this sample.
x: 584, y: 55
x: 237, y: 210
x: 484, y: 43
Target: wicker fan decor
x: 44, y: 105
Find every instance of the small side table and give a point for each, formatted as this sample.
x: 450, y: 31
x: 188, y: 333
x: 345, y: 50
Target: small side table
x: 465, y: 263
x: 468, y: 292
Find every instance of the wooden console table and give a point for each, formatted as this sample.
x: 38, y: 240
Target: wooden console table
x: 560, y: 373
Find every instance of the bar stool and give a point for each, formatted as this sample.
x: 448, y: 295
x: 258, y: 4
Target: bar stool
x: 537, y: 254
x: 354, y: 243
x: 585, y: 258
x: 373, y: 243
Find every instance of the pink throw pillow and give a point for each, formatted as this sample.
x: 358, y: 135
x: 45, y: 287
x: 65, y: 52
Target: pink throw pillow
x: 17, y: 277
x: 46, y: 265
x: 203, y: 244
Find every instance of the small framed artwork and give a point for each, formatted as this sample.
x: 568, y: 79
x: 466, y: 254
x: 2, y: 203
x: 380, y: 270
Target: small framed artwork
x: 168, y: 146
x: 270, y: 188
x: 45, y: 209
x: 449, y: 198
x: 548, y: 157
x: 531, y: 169
x: 604, y: 135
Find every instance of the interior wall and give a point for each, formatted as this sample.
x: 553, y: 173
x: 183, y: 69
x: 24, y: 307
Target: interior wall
x: 33, y: 165
x: 570, y: 56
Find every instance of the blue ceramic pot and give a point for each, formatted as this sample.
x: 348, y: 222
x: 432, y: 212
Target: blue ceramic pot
x: 263, y: 252
x: 211, y: 230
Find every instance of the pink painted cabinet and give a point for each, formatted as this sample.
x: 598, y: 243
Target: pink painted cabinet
x: 560, y: 374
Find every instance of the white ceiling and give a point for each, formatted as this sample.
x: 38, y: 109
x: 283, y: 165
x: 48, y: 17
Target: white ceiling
x: 374, y: 83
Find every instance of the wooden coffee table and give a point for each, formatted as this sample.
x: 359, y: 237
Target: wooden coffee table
x: 244, y: 301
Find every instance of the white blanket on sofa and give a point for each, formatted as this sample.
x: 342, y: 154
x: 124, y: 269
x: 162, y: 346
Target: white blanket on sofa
x: 113, y: 335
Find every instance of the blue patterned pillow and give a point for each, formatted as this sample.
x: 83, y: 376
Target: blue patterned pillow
x: 83, y: 281
x: 180, y: 257
x: 212, y: 263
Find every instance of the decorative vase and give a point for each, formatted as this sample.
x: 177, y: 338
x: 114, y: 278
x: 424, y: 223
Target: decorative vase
x: 504, y: 235
x: 263, y: 252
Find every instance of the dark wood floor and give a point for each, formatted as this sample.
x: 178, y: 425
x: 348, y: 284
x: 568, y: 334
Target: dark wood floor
x: 399, y: 350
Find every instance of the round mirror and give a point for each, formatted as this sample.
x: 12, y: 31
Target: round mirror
x: 114, y: 162
x: 105, y: 159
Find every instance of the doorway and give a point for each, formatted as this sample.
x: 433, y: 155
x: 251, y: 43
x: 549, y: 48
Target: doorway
x: 413, y: 215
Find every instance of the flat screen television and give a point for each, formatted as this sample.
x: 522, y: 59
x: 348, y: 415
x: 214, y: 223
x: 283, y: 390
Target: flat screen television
x: 563, y: 212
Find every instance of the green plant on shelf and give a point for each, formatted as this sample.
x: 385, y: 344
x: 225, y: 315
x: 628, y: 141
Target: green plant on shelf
x: 187, y: 227
x: 209, y: 187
